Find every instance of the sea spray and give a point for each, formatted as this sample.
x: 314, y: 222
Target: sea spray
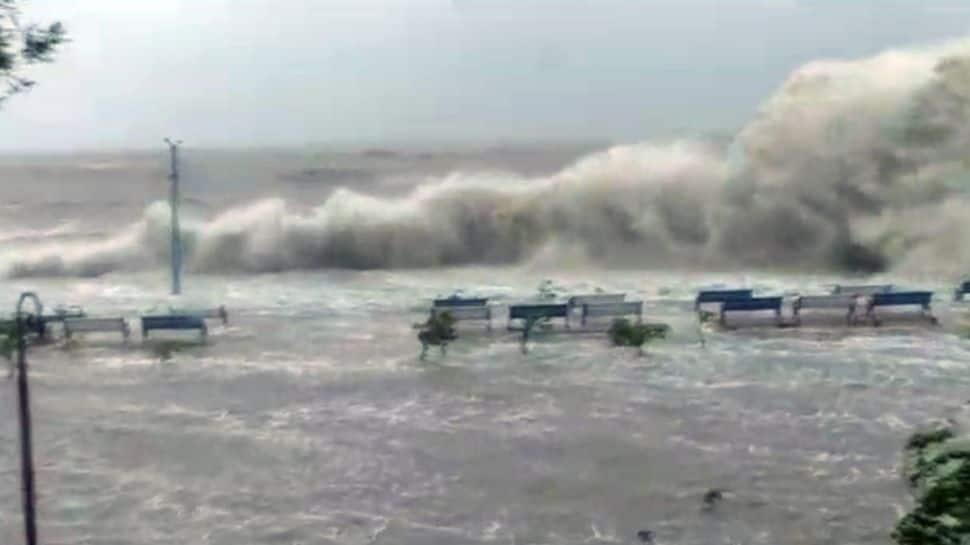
x: 857, y: 165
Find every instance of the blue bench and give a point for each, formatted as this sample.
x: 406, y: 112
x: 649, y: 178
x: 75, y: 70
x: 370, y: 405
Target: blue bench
x: 720, y: 296
x: 845, y: 303
x: 577, y: 301
x: 534, y: 312
x: 174, y: 322
x: 962, y: 289
x: 922, y: 299
x: 753, y: 304
x: 455, y: 301
x: 903, y: 298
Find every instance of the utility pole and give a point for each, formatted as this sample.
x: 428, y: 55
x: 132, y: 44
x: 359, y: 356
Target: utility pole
x: 26, y: 441
x: 176, y: 250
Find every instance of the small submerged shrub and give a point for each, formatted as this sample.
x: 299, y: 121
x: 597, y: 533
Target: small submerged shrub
x: 8, y: 339
x: 624, y: 333
x: 8, y: 343
x: 706, y: 316
x: 439, y: 330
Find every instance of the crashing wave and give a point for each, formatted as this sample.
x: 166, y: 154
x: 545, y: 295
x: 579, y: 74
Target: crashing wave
x: 851, y: 165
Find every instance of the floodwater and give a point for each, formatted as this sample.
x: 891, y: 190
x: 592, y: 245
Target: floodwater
x: 311, y: 419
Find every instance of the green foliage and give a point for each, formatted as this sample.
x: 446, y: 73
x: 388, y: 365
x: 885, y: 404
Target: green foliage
x: 624, y: 333
x: 8, y: 339
x: 939, y: 465
x: 439, y: 330
x: 922, y: 439
x: 23, y: 44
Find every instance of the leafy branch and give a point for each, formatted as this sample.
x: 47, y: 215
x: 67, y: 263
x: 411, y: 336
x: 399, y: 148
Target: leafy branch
x: 22, y: 45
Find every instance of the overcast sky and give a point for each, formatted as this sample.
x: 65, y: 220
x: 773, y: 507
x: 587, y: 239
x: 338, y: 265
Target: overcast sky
x: 312, y: 72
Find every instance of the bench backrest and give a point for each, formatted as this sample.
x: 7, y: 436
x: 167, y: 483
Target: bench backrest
x: 863, y: 290
x: 173, y: 322
x: 464, y: 313
x: 527, y: 312
x: 595, y: 299
x: 755, y: 303
x: 721, y: 296
x: 825, y: 301
x: 62, y: 315
x: 461, y: 302
x: 901, y: 298
x: 95, y: 324
x: 613, y: 309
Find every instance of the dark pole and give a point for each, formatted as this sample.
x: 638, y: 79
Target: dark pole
x: 173, y: 148
x: 26, y: 442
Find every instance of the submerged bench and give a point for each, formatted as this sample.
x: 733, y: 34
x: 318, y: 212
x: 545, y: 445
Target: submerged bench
x: 531, y: 313
x: 720, y: 296
x: 465, y: 313
x: 753, y: 304
x: 862, y: 289
x: 578, y: 301
x: 903, y: 298
x: 96, y: 325
x: 63, y: 313
x: 922, y: 299
x: 173, y: 322
x: 624, y: 308
x: 463, y: 309
x: 962, y: 289
x: 60, y: 314
x: 826, y: 302
x: 455, y: 301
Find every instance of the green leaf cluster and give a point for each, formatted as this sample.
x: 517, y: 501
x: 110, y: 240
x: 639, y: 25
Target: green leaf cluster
x: 938, y: 467
x: 22, y: 45
x: 624, y: 333
x: 8, y: 339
